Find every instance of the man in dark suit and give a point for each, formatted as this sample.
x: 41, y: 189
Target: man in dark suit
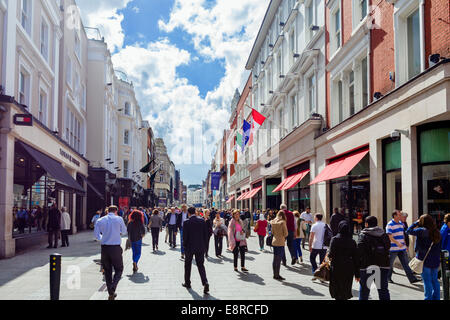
x: 173, y: 220
x: 195, y: 235
x: 53, y: 226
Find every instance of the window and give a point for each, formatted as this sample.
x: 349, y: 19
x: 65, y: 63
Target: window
x: 42, y: 115
x: 128, y: 109
x: 73, y: 131
x: 69, y: 72
x: 337, y: 28
x: 125, y: 168
x: 363, y: 8
x: 413, y: 27
x: 76, y: 89
x: 280, y: 63
x: 294, y: 111
x: 340, y: 102
x: 281, y: 119
x: 351, y: 92
x: 312, y: 93
x: 309, y: 20
x: 126, y: 137
x: 77, y: 46
x: 26, y: 15
x: 44, y: 39
x: 364, y: 81
x: 292, y: 46
x: 392, y: 164
x: 23, y: 79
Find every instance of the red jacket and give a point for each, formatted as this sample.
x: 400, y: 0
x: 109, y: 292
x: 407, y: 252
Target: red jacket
x: 262, y: 227
x: 290, y: 221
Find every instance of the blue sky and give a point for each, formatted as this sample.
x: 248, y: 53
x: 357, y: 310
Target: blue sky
x: 186, y: 59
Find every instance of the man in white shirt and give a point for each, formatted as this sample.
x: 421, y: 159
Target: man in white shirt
x: 316, y: 246
x: 308, y: 218
x: 184, y: 217
x: 65, y: 227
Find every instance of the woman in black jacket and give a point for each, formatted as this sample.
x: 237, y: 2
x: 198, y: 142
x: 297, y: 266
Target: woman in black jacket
x: 136, y: 231
x: 343, y: 255
x: 209, y: 225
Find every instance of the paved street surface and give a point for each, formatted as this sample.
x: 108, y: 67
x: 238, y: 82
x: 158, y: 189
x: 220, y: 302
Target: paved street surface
x: 26, y: 277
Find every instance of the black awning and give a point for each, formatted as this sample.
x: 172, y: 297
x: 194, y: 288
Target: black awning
x: 94, y: 189
x: 53, y: 168
x: 146, y: 169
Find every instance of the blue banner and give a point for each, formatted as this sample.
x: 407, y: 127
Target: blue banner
x: 215, y: 181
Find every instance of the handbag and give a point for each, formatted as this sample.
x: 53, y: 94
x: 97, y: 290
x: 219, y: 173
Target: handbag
x: 239, y: 236
x: 323, y: 273
x: 256, y: 227
x: 269, y: 240
x: 416, y: 264
x: 128, y: 244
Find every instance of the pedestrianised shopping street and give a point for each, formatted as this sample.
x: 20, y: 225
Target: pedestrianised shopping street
x: 224, y: 150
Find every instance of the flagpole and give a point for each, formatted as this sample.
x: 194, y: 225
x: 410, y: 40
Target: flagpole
x: 267, y: 119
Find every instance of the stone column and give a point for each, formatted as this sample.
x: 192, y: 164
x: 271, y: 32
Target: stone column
x: 313, y: 188
x: 376, y: 180
x: 410, y: 180
x: 264, y: 194
x: 7, y: 243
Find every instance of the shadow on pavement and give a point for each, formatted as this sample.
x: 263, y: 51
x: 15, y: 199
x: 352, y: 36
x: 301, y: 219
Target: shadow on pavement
x: 251, y: 277
x: 304, y: 290
x: 138, y: 278
x: 196, y: 296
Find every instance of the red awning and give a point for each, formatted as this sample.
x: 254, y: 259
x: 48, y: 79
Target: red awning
x: 231, y: 199
x: 241, y: 197
x: 253, y: 193
x: 282, y: 184
x: 341, y: 167
x: 295, y: 179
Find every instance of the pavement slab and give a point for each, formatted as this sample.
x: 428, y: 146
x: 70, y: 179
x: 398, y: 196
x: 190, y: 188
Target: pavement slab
x: 26, y: 276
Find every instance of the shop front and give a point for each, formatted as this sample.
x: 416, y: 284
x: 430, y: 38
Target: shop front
x: 349, y: 183
x: 37, y: 169
x: 273, y: 198
x: 434, y: 169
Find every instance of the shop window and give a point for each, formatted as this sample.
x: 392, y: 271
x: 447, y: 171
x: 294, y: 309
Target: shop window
x: 392, y: 178
x: 434, y: 152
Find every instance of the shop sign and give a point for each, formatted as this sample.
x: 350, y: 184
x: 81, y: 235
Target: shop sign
x: 69, y: 157
x: 124, y: 202
x: 25, y: 120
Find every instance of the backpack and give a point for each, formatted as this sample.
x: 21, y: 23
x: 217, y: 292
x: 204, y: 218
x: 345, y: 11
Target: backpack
x: 378, y: 252
x: 327, y: 235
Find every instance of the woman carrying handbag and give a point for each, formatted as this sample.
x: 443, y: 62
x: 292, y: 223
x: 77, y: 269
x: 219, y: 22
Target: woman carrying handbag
x: 237, y: 239
x: 428, y: 254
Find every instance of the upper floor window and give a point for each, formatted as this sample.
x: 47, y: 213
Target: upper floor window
x: 125, y: 168
x: 127, y: 109
x: 69, y: 72
x: 294, y: 112
x: 312, y: 93
x: 413, y: 36
x: 23, y: 87
x: 42, y: 116
x: 126, y: 137
x: 360, y: 9
x: 77, y: 46
x: 44, y: 39
x: 26, y: 15
x: 337, y: 28
x: 351, y: 92
x: 309, y: 20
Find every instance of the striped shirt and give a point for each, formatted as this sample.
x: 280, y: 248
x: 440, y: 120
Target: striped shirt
x: 397, y: 231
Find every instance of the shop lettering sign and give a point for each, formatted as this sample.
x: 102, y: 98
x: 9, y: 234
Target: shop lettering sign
x: 69, y: 157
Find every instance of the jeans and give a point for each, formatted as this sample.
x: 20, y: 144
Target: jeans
x: 402, y: 255
x: 136, y: 248
x: 321, y: 252
x: 431, y: 284
x: 383, y: 290
x: 290, y: 240
x: 261, y: 241
x: 297, y: 248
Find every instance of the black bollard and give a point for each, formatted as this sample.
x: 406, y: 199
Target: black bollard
x: 445, y: 274
x: 55, y: 276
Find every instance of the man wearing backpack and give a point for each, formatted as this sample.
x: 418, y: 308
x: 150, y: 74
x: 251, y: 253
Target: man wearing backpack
x: 373, y: 248
x: 316, y: 239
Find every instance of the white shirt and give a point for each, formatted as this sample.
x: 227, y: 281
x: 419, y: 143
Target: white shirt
x: 306, y: 216
x: 65, y: 221
x: 319, y: 230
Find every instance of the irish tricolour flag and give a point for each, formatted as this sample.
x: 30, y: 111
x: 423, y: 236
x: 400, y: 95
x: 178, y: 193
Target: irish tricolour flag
x: 258, y: 121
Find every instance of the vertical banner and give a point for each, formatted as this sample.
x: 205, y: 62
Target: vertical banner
x: 215, y: 181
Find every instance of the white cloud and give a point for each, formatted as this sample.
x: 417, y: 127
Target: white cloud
x: 103, y: 14
x: 224, y: 31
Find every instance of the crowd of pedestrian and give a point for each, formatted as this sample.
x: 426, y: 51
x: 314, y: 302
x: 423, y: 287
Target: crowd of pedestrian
x: 343, y: 256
